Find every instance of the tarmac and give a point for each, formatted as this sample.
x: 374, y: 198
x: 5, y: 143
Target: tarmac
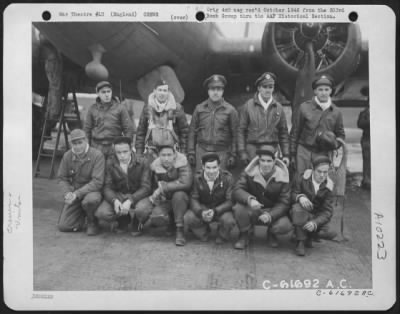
x: 109, y: 261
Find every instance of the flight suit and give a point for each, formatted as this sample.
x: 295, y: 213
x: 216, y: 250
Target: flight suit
x: 218, y: 199
x: 364, y: 124
x: 176, y: 183
x: 273, y: 194
x: 104, y: 122
x: 133, y: 185
x: 84, y: 177
x: 173, y: 121
x: 258, y: 127
x: 322, y: 203
x: 213, y: 128
x: 312, y: 120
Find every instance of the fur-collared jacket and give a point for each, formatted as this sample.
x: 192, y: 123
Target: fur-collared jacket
x: 274, y: 193
x: 178, y: 178
x: 322, y: 200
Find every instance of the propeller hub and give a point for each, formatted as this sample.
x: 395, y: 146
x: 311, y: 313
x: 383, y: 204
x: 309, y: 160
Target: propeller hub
x: 310, y: 30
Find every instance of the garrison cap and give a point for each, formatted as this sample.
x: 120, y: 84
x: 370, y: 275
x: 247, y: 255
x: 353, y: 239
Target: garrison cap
x: 323, y: 80
x: 160, y: 82
x: 266, y: 150
x: 215, y: 80
x: 266, y: 78
x: 209, y: 156
x: 77, y: 134
x: 102, y: 84
x: 122, y: 139
x: 320, y: 159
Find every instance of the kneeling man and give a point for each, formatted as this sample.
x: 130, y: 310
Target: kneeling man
x: 127, y: 182
x: 81, y: 176
x: 313, y: 202
x: 262, y: 194
x: 172, y: 179
x: 211, y: 200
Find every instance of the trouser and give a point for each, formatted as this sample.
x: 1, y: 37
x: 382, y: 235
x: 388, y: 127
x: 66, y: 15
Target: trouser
x: 72, y: 217
x: 304, y: 158
x: 161, y: 212
x: 366, y: 156
x: 251, y: 149
x: 300, y: 217
x: 105, y: 147
x: 222, y: 154
x: 246, y: 218
x: 107, y: 213
x: 200, y: 228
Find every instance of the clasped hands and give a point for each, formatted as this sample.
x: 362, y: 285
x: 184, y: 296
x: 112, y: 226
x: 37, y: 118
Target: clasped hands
x: 122, y: 209
x: 265, y: 217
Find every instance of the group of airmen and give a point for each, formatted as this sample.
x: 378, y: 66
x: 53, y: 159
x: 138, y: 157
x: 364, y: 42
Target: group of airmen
x: 177, y: 175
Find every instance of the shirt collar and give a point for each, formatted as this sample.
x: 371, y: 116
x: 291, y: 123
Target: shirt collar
x: 76, y: 156
x: 159, y: 107
x: 215, y: 104
x: 263, y: 102
x: 129, y: 162
x: 323, y: 105
x: 315, y: 183
x: 208, y: 179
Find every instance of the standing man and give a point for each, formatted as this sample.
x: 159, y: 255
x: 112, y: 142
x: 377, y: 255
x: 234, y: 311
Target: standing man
x: 213, y: 127
x: 172, y: 180
x: 107, y: 119
x: 262, y: 194
x: 211, y: 200
x: 162, y: 122
x: 318, y: 125
x: 262, y: 122
x: 312, y: 199
x: 127, y: 182
x: 81, y: 176
x: 364, y: 124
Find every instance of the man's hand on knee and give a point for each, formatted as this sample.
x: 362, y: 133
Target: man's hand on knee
x: 69, y: 198
x: 265, y: 218
x: 208, y: 215
x: 306, y: 203
x: 117, y: 207
x: 310, y: 226
x: 126, y: 206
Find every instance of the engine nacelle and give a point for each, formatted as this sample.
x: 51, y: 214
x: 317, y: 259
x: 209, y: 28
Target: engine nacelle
x: 336, y: 47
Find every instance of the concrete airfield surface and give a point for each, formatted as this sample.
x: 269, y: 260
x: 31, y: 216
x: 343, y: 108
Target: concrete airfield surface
x: 74, y: 261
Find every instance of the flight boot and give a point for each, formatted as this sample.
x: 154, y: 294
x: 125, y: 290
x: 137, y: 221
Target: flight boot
x: 180, y: 237
x: 136, y: 227
x: 243, y: 241
x: 300, y: 249
x: 308, y: 242
x: 92, y: 227
x: 272, y: 240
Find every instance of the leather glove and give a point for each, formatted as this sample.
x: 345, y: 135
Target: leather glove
x: 192, y: 159
x: 244, y: 158
x: 231, y: 162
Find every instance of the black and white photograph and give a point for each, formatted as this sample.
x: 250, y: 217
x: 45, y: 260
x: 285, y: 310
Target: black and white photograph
x: 224, y: 150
